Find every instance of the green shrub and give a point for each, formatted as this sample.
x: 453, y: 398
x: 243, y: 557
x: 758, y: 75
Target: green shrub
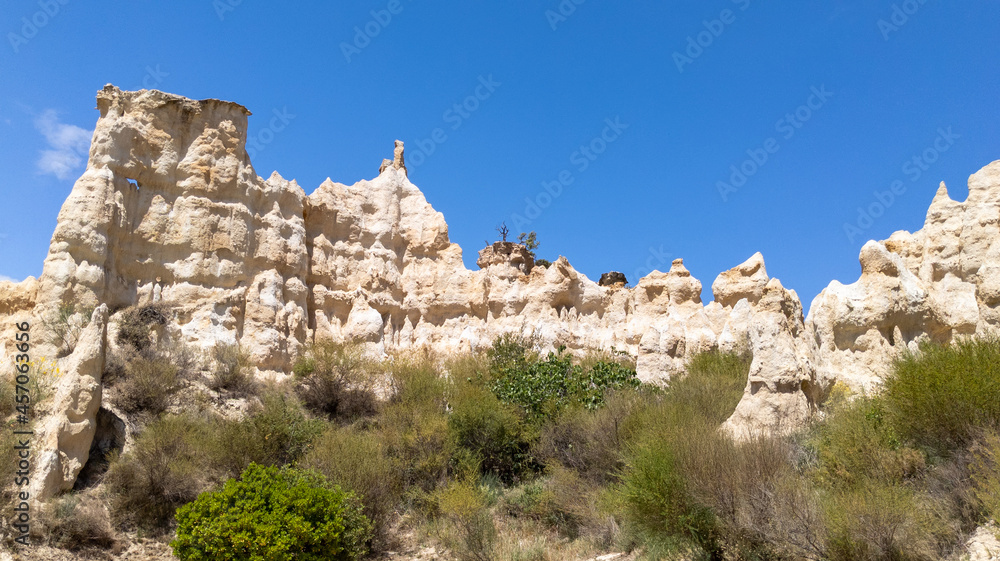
x: 463, y: 505
x: 857, y: 442
x: 588, y: 442
x: 713, y: 386
x: 942, y: 396
x: 275, y: 433
x: 272, y: 514
x: 658, y: 505
x: 544, y: 388
x: 877, y: 521
x: 492, y: 432
x: 147, y: 384
x: 359, y: 462
x: 336, y: 381
x: 986, y: 475
x: 65, y: 328
x: 233, y: 371
x: 167, y: 467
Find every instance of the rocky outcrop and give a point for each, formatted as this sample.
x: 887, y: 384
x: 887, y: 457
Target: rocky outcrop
x: 613, y: 278
x: 171, y: 210
x: 936, y: 284
x: 66, y: 435
x: 506, y: 254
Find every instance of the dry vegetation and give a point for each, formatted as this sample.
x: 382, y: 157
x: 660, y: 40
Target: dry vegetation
x: 513, y: 455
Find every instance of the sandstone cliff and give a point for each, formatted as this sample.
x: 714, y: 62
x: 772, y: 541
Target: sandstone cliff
x: 170, y: 209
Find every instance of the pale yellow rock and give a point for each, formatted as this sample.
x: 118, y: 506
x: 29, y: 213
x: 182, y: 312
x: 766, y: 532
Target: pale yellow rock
x: 63, y: 440
x: 171, y: 210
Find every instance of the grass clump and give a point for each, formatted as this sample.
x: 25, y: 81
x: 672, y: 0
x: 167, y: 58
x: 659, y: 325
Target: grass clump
x: 272, y: 513
x: 76, y: 523
x: 233, y: 371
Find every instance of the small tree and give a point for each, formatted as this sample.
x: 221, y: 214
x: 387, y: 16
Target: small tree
x: 503, y: 230
x: 529, y: 241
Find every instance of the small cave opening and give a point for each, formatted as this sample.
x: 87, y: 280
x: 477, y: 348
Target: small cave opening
x: 109, y: 437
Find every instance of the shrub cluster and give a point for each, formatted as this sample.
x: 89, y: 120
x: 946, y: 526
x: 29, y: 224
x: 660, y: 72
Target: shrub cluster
x: 272, y: 513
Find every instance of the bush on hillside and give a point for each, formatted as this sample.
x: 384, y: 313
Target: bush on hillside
x: 358, y: 461
x: 944, y: 395
x: 272, y: 513
x: 336, y: 381
x: 167, y: 467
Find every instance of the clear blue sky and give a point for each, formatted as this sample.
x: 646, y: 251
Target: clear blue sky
x: 889, y: 82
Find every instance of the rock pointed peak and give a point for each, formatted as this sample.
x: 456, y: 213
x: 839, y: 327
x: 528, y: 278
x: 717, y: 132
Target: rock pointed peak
x: 941, y: 195
x: 398, y: 162
x: 678, y: 269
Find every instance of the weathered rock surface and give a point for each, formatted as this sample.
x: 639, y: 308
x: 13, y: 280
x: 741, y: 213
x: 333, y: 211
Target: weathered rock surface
x: 938, y: 283
x: 65, y: 436
x: 507, y: 254
x: 170, y: 209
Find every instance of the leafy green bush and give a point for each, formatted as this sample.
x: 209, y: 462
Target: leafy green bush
x: 942, y: 396
x: 359, y: 462
x: 272, y: 514
x: 492, y: 432
x: 544, y: 388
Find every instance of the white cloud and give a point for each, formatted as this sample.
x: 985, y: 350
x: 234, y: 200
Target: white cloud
x: 68, y: 146
x: 6, y: 278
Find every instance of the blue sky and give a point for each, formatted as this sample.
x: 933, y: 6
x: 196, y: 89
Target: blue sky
x: 625, y: 134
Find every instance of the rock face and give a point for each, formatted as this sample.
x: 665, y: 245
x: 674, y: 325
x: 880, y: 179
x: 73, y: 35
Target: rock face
x: 66, y: 435
x: 170, y: 209
x: 938, y: 283
x: 508, y: 254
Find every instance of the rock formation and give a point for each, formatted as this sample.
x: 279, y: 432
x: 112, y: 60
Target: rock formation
x: 66, y: 435
x: 170, y: 209
x: 506, y: 254
x: 613, y: 278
